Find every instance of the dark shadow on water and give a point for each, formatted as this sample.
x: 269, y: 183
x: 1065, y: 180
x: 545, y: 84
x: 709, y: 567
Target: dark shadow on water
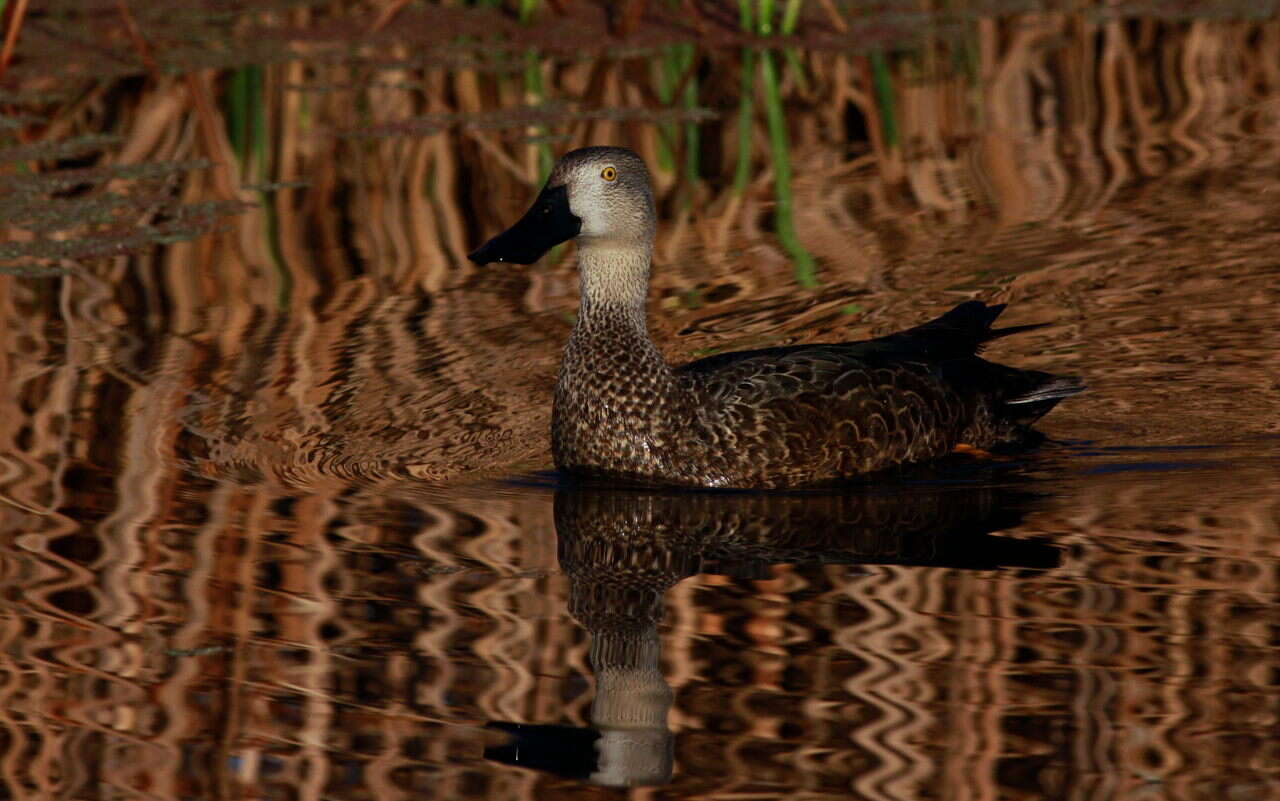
x: 1000, y: 468
x: 622, y: 549
x: 1098, y: 460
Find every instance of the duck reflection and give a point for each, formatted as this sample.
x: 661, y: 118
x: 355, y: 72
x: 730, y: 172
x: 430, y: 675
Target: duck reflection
x: 621, y: 549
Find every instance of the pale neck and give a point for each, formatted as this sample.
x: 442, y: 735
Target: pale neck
x: 614, y: 282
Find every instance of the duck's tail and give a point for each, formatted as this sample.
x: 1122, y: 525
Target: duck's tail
x: 1045, y: 390
x: 963, y: 331
x: 1024, y: 395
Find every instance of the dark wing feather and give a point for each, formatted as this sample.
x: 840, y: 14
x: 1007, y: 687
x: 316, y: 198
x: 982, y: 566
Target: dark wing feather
x: 959, y: 333
x: 722, y: 361
x: 948, y: 345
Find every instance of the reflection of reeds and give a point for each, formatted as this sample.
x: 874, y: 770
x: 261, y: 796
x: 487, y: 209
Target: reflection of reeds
x: 200, y: 637
x: 961, y: 137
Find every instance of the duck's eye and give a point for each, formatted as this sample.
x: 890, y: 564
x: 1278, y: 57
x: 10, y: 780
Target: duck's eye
x: 608, y: 173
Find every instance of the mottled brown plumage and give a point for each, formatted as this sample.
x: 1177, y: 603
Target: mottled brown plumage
x: 782, y: 417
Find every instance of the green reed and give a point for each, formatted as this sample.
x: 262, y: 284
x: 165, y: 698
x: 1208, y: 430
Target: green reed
x: 692, y: 139
x: 746, y: 103
x: 805, y: 267
x: 789, y: 18
x: 784, y: 220
x: 535, y: 90
x: 668, y: 74
x: 678, y: 85
x: 765, y: 18
x: 246, y: 119
x: 248, y: 131
x: 882, y: 82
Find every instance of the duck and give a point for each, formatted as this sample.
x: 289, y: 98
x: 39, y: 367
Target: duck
x: 775, y: 418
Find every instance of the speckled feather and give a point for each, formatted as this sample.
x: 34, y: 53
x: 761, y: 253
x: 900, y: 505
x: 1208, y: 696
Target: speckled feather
x: 789, y: 416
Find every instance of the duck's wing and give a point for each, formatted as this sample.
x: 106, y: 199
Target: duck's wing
x: 959, y: 333
x: 942, y: 351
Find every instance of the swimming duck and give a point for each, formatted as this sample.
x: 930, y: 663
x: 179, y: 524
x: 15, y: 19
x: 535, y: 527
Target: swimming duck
x: 774, y: 418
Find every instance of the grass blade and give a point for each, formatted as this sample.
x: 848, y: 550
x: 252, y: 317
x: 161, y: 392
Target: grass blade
x: 883, y: 83
x: 805, y: 268
x: 764, y: 19
x: 746, y: 103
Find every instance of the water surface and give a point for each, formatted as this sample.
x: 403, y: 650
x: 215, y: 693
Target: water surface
x: 278, y: 514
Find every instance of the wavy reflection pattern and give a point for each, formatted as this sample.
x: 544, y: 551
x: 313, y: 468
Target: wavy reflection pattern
x: 355, y: 642
x: 217, y: 583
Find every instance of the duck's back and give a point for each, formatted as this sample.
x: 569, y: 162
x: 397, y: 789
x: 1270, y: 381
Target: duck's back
x: 817, y: 413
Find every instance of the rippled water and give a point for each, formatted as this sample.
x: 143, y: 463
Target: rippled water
x: 278, y: 514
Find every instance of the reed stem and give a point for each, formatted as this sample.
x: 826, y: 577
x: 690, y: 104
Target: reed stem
x: 764, y: 19
x: 805, y: 268
x: 789, y: 17
x: 746, y: 103
x: 882, y: 81
x: 535, y: 94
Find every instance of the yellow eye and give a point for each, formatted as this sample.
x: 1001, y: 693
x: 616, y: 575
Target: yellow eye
x: 608, y: 173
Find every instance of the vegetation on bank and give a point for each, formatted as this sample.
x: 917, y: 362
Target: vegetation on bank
x: 128, y: 124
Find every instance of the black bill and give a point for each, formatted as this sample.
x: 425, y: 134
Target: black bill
x: 542, y: 227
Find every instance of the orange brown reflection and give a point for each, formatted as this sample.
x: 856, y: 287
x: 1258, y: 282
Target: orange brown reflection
x: 621, y: 550
x: 255, y: 642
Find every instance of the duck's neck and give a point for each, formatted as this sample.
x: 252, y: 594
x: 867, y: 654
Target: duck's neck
x: 614, y: 386
x: 614, y: 283
x: 610, y: 341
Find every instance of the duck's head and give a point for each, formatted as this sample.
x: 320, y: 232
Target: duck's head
x: 599, y: 196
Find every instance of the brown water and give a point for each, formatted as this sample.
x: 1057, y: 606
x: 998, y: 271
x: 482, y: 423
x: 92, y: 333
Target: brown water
x: 278, y: 514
